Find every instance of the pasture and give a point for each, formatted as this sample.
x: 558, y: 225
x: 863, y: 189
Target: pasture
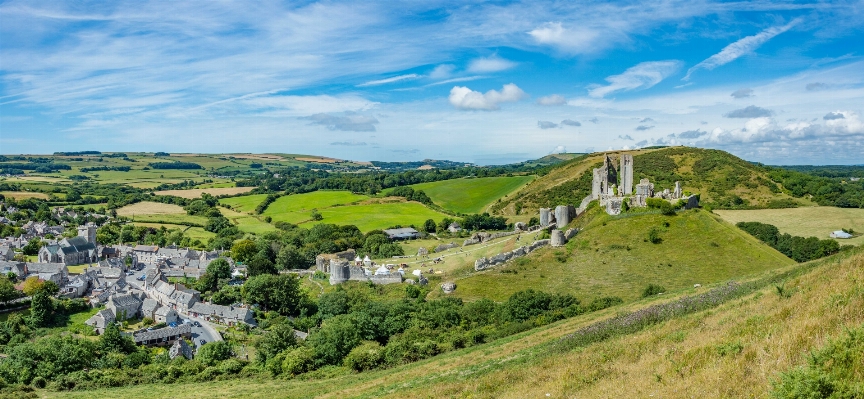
x: 246, y: 203
x: 247, y: 223
x: 612, y: 257
x: 196, y: 193
x: 372, y: 216
x: 471, y: 195
x: 314, y: 200
x: 150, y: 208
x: 816, y: 221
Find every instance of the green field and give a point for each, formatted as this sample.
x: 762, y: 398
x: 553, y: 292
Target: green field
x: 471, y: 195
x: 307, y: 202
x: 247, y: 223
x: 379, y: 216
x: 816, y: 221
x: 170, y: 219
x: 246, y: 203
x: 610, y: 258
x: 194, y: 233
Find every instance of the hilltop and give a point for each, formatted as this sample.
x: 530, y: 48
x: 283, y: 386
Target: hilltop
x: 721, y: 179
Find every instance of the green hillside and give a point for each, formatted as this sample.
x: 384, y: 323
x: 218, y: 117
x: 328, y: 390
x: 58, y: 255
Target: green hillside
x: 611, y: 257
x: 471, y: 195
x: 735, y: 349
x: 721, y: 179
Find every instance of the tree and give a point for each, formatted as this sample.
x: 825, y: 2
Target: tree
x: 280, y: 293
x: 429, y: 226
x: 260, y: 264
x: 32, y: 247
x: 214, y: 352
x: 244, y: 250
x: 31, y: 285
x: 334, y: 340
x: 333, y: 304
x: 7, y: 290
x: 278, y: 339
x: 290, y: 257
x: 219, y: 268
x: 113, y: 341
x: 41, y: 307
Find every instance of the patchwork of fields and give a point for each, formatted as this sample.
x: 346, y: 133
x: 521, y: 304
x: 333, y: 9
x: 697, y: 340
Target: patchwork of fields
x: 816, y: 221
x: 196, y: 193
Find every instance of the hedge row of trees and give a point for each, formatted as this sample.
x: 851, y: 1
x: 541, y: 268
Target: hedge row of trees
x: 799, y: 249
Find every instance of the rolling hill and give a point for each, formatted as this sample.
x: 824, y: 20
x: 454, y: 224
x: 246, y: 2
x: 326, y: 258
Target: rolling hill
x: 471, y: 195
x: 721, y: 179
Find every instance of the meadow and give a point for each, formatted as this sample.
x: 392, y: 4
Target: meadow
x: 816, y: 221
x: 612, y: 257
x: 471, y: 195
x: 247, y: 223
x: 314, y: 200
x: 157, y: 212
x: 246, y: 203
x: 378, y: 215
x: 20, y: 195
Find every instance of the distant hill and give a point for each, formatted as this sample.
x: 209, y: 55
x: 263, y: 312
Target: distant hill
x: 722, y: 180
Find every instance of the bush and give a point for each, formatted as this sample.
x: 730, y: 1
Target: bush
x: 298, y: 361
x: 39, y: 382
x: 367, y: 356
x: 834, y: 371
x: 652, y: 289
x: 654, y: 236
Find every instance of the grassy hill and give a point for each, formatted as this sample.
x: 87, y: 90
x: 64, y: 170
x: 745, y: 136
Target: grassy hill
x: 735, y: 349
x: 471, y: 195
x: 722, y: 180
x: 611, y: 257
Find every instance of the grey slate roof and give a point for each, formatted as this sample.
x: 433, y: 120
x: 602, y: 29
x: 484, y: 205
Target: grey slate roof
x: 125, y: 300
x: 161, y: 333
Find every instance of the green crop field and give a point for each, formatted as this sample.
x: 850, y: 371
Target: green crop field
x: 816, y: 221
x: 378, y: 216
x: 246, y: 203
x: 611, y: 258
x: 307, y: 202
x: 471, y: 195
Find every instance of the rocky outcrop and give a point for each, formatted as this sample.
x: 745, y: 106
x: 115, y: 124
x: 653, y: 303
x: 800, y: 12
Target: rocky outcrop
x: 448, y: 287
x: 570, y: 233
x: 444, y: 247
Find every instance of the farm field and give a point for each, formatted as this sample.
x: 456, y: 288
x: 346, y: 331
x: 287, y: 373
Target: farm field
x: 817, y: 221
x: 196, y: 192
x: 471, y: 195
x: 681, y: 357
x: 308, y: 201
x: 377, y: 215
x: 150, y: 208
x: 194, y: 233
x: 247, y: 223
x: 20, y: 195
x: 246, y: 203
x: 612, y: 257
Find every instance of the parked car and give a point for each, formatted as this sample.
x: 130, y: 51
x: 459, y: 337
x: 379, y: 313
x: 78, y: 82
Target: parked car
x: 172, y: 324
x: 202, y: 341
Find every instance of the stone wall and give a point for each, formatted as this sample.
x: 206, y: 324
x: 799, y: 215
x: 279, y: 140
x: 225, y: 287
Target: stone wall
x: 557, y: 239
x: 485, y: 263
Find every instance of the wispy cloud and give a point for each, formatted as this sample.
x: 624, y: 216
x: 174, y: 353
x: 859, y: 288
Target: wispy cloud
x: 748, y: 112
x: 349, y: 143
x: 410, y: 76
x: 554, y: 99
x: 464, y: 98
x: 570, y: 122
x: 640, y: 76
x: 349, y: 122
x: 742, y: 93
x: 546, y: 125
x: 740, y: 48
x: 490, y: 64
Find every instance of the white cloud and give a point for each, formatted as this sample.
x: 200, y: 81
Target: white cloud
x: 553, y: 99
x: 546, y: 125
x: 559, y: 150
x: 572, y: 40
x: 410, y: 76
x: 570, y: 122
x: 442, y: 71
x: 490, y: 64
x: 640, y: 76
x: 742, y: 93
x: 739, y: 48
x: 464, y: 98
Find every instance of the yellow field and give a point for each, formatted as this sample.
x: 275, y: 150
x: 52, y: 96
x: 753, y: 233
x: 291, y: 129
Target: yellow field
x: 19, y: 195
x: 817, y: 221
x: 150, y: 208
x: 196, y: 193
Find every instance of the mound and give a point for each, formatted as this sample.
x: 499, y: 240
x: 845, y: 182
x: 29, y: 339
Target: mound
x: 613, y: 257
x: 721, y: 179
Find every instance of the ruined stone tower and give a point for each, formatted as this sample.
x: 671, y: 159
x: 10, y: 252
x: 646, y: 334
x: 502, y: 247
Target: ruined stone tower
x: 626, y: 171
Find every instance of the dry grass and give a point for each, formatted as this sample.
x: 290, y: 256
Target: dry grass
x: 817, y: 221
x: 150, y: 208
x: 318, y: 160
x: 196, y: 193
x: 20, y: 195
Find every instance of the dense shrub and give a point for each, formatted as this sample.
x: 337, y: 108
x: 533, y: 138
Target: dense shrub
x: 366, y: 356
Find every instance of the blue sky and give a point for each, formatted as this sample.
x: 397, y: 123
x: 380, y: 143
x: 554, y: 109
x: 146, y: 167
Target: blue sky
x: 485, y: 82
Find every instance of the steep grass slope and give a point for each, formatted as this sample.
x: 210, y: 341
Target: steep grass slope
x: 612, y: 257
x: 733, y: 350
x: 721, y: 179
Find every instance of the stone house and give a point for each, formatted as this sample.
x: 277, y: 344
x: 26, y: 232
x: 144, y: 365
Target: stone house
x: 6, y: 253
x: 17, y: 268
x: 145, y: 254
x: 125, y: 306
x: 180, y: 348
x: 148, y: 308
x: 163, y: 336
x: 229, y: 315
x: 56, y: 272
x: 101, y: 320
x: 165, y: 315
